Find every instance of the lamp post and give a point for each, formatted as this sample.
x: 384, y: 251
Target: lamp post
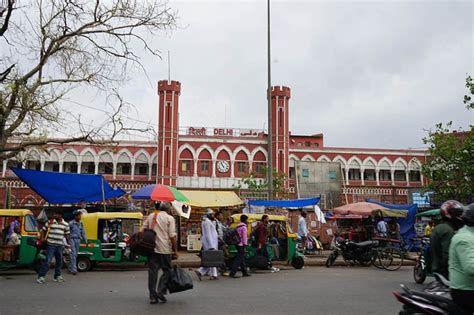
x: 269, y: 99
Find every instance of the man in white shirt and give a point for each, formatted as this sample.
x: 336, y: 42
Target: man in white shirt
x: 382, y: 228
x: 303, y: 228
x: 164, y: 226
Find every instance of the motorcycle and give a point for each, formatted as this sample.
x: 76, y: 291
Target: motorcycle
x: 435, y: 300
x: 422, y: 267
x: 362, y: 253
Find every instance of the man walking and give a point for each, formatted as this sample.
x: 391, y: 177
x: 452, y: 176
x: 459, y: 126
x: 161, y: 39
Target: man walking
x: 239, y: 260
x: 76, y: 229
x: 209, y: 240
x: 303, y: 228
x: 165, y: 247
x: 53, y: 233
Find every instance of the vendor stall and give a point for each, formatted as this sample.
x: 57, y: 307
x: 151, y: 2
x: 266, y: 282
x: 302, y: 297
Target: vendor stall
x: 190, y: 228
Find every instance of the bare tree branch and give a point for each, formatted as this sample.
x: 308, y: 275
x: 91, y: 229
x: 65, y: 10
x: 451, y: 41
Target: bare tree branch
x: 67, y: 44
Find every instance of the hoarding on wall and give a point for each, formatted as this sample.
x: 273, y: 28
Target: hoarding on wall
x: 420, y: 198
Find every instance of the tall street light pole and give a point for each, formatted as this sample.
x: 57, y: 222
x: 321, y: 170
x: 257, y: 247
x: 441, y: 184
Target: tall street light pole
x: 269, y: 99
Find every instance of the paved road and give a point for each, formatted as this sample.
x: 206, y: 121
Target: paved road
x: 312, y: 290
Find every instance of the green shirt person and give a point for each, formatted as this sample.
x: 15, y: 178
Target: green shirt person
x: 461, y: 262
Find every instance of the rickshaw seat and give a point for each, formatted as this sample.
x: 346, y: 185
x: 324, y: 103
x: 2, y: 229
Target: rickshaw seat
x: 367, y: 243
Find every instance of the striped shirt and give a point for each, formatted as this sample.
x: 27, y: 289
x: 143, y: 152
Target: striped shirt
x: 57, y: 231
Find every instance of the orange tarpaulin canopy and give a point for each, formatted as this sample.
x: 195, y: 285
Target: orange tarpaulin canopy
x: 367, y: 209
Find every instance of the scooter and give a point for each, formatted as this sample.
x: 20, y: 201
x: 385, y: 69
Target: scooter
x: 435, y: 300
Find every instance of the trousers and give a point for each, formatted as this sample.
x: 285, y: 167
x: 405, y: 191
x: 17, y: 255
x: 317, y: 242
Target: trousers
x: 155, y: 263
x: 239, y: 261
x: 55, y: 251
x: 75, y: 243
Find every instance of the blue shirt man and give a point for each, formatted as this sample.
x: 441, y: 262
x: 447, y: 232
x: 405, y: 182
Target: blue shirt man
x: 77, y: 234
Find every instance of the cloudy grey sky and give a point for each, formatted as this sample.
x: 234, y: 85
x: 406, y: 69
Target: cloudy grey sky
x: 366, y: 74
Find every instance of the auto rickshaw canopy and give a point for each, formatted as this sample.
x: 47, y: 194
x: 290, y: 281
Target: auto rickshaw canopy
x: 252, y: 217
x: 15, y: 212
x: 91, y: 220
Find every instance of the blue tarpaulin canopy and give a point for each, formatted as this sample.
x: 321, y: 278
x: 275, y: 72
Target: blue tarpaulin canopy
x: 67, y: 187
x: 297, y: 203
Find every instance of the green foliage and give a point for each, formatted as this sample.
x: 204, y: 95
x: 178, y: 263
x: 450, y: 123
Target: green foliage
x: 450, y: 166
x: 253, y: 182
x: 468, y: 99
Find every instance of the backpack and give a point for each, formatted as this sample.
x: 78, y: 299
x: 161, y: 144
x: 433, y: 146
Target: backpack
x: 143, y: 242
x: 231, y: 237
x: 254, y: 237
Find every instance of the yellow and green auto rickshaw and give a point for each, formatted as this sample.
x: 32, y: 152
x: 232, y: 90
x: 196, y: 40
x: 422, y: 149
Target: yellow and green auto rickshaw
x: 282, y: 242
x: 107, y: 236
x: 24, y: 254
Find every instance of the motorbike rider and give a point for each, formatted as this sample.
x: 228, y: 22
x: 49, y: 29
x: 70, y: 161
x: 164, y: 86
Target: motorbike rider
x: 451, y: 212
x: 461, y: 262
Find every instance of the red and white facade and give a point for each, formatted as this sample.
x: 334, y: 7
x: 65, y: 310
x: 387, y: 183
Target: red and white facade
x: 217, y: 158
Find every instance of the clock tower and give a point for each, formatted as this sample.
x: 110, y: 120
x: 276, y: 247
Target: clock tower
x: 168, y: 126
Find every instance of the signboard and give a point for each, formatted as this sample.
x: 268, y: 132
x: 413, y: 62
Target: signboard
x: 196, y: 131
x: 194, y: 242
x: 221, y: 132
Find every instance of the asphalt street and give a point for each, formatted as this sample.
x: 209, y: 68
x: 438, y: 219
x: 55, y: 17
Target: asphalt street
x: 312, y: 290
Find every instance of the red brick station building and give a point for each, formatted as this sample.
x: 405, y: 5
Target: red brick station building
x: 217, y: 158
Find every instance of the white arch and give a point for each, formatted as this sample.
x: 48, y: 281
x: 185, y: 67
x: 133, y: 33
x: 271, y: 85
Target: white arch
x: 293, y: 157
x: 53, y: 155
x: 105, y: 153
x: 127, y: 154
x: 400, y: 164
x: 354, y: 161
x: 67, y: 153
x: 87, y: 151
x: 154, y: 158
x: 385, y: 163
x: 255, y: 151
x: 33, y: 154
x: 308, y: 157
x: 190, y: 148
x: 341, y: 160
x: 414, y: 164
x: 323, y: 158
x: 208, y: 148
x: 224, y: 148
x: 369, y: 163
x: 242, y: 148
x: 141, y: 153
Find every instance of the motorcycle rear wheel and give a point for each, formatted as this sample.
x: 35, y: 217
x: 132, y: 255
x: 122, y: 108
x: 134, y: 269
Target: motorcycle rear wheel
x: 419, y: 274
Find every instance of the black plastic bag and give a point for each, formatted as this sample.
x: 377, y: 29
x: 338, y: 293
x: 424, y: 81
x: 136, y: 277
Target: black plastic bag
x: 179, y: 280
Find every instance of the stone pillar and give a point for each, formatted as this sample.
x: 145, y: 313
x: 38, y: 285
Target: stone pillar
x: 392, y: 175
x: 195, y: 173
x: 407, y: 176
x: 132, y: 171
x: 362, y: 171
x: 377, y: 176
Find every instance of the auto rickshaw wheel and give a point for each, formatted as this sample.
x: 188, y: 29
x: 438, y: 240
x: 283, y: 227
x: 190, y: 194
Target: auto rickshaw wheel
x: 297, y: 262
x: 83, y: 264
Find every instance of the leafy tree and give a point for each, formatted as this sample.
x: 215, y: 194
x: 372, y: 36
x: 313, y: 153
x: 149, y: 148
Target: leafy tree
x: 51, y: 47
x: 450, y: 165
x: 253, y: 182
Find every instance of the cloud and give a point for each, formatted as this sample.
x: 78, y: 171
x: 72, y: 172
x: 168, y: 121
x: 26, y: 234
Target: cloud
x: 366, y: 74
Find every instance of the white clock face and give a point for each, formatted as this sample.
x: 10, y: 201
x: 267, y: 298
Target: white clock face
x: 223, y: 166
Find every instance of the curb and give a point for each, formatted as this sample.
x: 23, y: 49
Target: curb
x: 307, y: 263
